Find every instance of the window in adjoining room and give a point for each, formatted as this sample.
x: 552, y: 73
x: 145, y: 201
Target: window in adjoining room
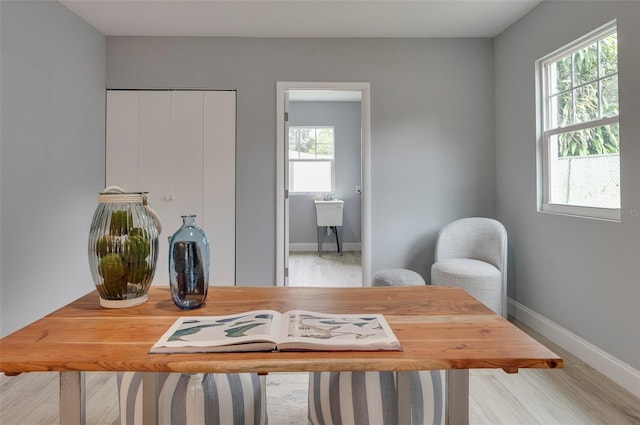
x: 311, y: 159
x: 578, y: 88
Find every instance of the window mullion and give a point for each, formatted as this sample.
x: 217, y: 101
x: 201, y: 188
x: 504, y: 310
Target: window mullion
x: 583, y: 125
x: 573, y: 88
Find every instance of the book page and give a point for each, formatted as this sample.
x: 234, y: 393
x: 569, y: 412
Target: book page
x: 306, y: 330
x: 249, y: 331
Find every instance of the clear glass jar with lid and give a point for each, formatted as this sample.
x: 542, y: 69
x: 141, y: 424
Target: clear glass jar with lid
x: 123, y: 247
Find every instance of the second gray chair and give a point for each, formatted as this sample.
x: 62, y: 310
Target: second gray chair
x: 472, y: 253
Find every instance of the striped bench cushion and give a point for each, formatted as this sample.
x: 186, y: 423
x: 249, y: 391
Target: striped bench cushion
x: 197, y: 399
x: 363, y: 398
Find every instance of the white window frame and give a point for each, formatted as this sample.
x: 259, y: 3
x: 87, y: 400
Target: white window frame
x: 547, y: 149
x: 332, y: 161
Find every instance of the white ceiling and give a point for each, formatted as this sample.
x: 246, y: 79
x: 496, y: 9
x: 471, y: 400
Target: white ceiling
x: 302, y: 18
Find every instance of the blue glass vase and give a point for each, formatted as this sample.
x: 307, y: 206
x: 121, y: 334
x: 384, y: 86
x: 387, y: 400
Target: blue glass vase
x: 189, y: 265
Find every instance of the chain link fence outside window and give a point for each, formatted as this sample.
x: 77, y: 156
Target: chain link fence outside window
x: 590, y: 181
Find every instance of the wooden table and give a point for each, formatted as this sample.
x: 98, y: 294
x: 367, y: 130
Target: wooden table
x: 438, y: 327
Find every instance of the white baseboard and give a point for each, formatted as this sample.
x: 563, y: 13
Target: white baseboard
x: 326, y: 247
x: 616, y: 370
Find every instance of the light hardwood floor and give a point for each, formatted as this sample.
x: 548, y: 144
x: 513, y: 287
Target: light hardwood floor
x: 331, y: 269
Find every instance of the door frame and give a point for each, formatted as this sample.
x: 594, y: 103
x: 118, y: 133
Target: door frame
x: 282, y: 203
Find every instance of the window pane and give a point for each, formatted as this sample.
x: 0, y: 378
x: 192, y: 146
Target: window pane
x: 585, y: 65
x: 561, y: 75
x: 325, y: 151
x: 590, y: 141
x: 609, y: 55
x: 325, y: 135
x: 586, y: 169
x: 299, y: 139
x: 610, y: 96
x: 561, y: 110
x: 586, y: 102
x: 306, y: 140
x: 294, y: 136
x: 310, y: 176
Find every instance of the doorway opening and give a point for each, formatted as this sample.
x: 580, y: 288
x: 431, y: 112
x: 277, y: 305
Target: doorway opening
x: 322, y: 154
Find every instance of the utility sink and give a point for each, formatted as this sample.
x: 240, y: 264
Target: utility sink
x: 329, y: 213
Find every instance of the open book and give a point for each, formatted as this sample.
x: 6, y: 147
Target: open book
x: 266, y: 330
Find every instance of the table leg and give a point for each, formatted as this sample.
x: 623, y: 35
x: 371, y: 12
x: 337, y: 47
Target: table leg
x: 149, y: 398
x: 72, y: 398
x: 404, y: 398
x: 457, y: 398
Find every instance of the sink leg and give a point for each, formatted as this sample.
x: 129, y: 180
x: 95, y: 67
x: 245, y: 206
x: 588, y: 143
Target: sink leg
x: 318, y: 233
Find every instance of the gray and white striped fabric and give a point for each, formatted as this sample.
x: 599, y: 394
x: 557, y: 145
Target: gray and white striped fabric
x: 197, y: 399
x: 367, y: 398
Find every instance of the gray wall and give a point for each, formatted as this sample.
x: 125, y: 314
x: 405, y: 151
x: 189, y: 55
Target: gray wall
x: 52, y: 156
x: 582, y: 274
x: 345, y: 117
x: 432, y: 153
x: 431, y: 128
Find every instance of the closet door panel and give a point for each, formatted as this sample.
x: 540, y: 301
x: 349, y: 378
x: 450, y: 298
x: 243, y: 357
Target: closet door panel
x: 219, y: 183
x: 154, y: 144
x: 156, y: 149
x: 122, y: 140
x: 186, y: 158
x: 180, y: 147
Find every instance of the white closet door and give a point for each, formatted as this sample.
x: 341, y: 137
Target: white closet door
x: 154, y: 144
x: 219, y: 195
x: 186, y: 161
x: 122, y: 140
x: 156, y: 150
x: 180, y: 147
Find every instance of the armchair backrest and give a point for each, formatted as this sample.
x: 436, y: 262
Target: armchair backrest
x: 478, y: 238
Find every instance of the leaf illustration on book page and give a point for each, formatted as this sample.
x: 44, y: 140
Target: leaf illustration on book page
x: 180, y: 333
x: 239, y: 331
x: 334, y: 322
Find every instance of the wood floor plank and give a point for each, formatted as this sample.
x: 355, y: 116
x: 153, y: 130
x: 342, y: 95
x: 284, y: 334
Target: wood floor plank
x: 103, y: 387
x: 476, y: 414
x: 332, y: 269
x: 498, y: 404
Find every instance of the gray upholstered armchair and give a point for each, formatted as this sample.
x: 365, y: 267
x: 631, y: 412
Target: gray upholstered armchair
x: 472, y: 253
